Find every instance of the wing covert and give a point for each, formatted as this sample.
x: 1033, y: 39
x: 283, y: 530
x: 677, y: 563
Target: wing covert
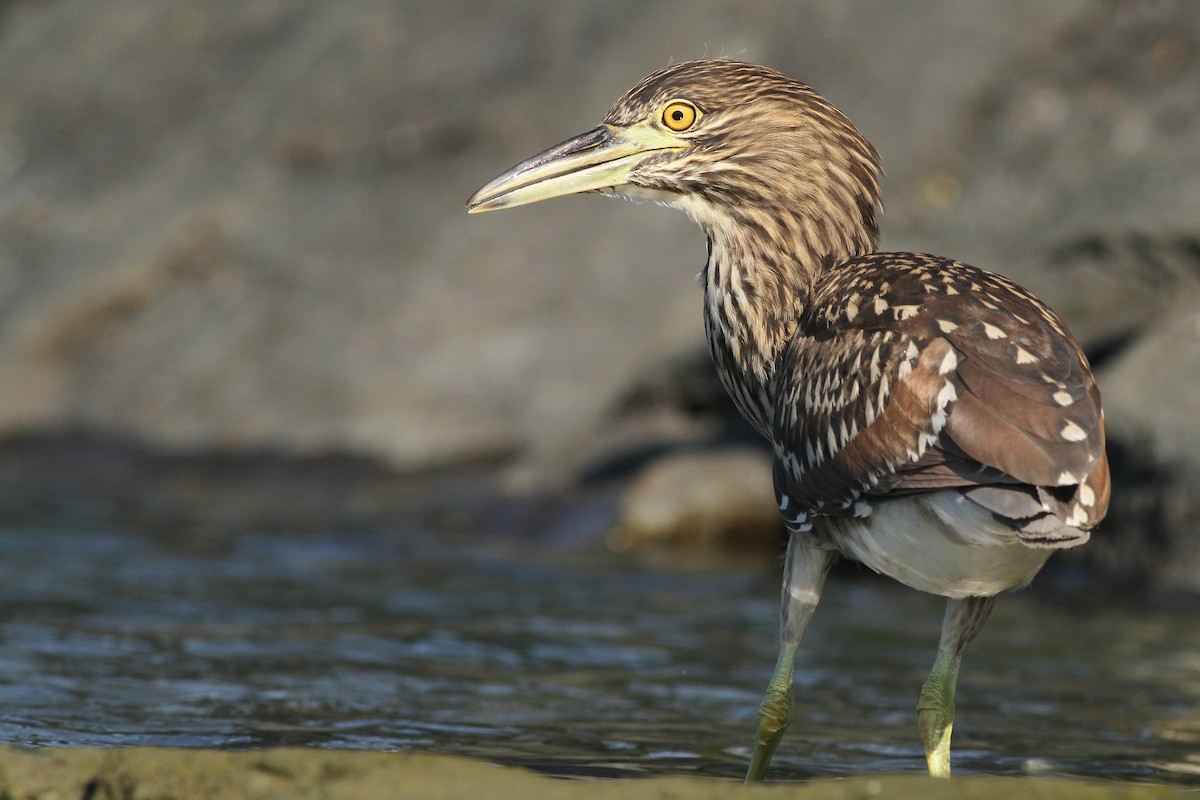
x: 912, y: 373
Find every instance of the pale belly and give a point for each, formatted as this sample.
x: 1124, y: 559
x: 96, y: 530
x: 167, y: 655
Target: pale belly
x: 940, y: 543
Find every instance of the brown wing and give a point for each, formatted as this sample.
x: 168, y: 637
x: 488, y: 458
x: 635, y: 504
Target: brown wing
x: 912, y: 373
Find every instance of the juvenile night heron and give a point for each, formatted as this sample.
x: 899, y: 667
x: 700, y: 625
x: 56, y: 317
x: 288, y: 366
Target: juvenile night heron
x: 929, y: 419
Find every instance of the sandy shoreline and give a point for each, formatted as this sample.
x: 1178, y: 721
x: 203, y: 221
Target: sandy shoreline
x: 151, y: 773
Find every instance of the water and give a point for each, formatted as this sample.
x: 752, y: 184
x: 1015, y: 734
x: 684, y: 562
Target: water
x: 567, y: 659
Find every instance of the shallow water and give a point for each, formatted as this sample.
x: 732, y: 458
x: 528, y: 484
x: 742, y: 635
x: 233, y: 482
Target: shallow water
x: 568, y: 660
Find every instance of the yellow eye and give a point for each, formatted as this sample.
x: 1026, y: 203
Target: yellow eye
x: 679, y: 115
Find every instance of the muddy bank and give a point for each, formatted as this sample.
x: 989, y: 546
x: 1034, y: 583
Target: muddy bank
x: 148, y: 774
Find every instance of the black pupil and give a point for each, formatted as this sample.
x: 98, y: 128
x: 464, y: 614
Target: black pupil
x: 677, y: 116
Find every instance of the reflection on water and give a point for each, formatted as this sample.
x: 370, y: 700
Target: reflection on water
x: 569, y: 662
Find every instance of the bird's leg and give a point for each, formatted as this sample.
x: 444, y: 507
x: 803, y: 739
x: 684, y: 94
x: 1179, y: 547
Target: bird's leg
x: 803, y: 577
x: 935, y: 711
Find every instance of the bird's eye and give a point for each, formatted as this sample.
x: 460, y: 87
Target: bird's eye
x: 679, y: 115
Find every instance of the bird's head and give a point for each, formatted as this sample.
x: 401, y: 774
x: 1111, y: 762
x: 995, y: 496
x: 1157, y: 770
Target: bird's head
x: 727, y: 142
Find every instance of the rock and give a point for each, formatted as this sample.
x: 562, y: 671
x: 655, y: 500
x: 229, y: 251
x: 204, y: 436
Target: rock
x: 1133, y: 281
x: 1152, y: 385
x: 240, y: 226
x: 1150, y: 400
x: 707, y: 497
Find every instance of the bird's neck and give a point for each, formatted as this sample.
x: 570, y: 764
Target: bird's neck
x: 757, y: 283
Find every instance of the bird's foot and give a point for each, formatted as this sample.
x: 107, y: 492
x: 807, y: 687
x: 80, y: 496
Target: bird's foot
x: 935, y: 733
x: 773, y: 718
x: 935, y: 714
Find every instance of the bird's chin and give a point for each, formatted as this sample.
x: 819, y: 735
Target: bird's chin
x: 640, y: 194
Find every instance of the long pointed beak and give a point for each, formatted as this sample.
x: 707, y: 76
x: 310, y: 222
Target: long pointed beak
x: 599, y: 159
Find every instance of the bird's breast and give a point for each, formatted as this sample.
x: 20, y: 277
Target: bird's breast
x: 748, y: 381
x: 750, y: 311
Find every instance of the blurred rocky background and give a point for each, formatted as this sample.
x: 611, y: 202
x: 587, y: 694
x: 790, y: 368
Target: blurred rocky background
x: 233, y: 253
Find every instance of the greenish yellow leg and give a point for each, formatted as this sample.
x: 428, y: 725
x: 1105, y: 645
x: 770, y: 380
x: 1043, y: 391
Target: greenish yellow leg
x: 803, y: 578
x: 935, y: 710
x: 935, y: 713
x: 774, y: 715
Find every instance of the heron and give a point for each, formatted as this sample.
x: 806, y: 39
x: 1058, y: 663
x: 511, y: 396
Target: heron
x: 930, y: 419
